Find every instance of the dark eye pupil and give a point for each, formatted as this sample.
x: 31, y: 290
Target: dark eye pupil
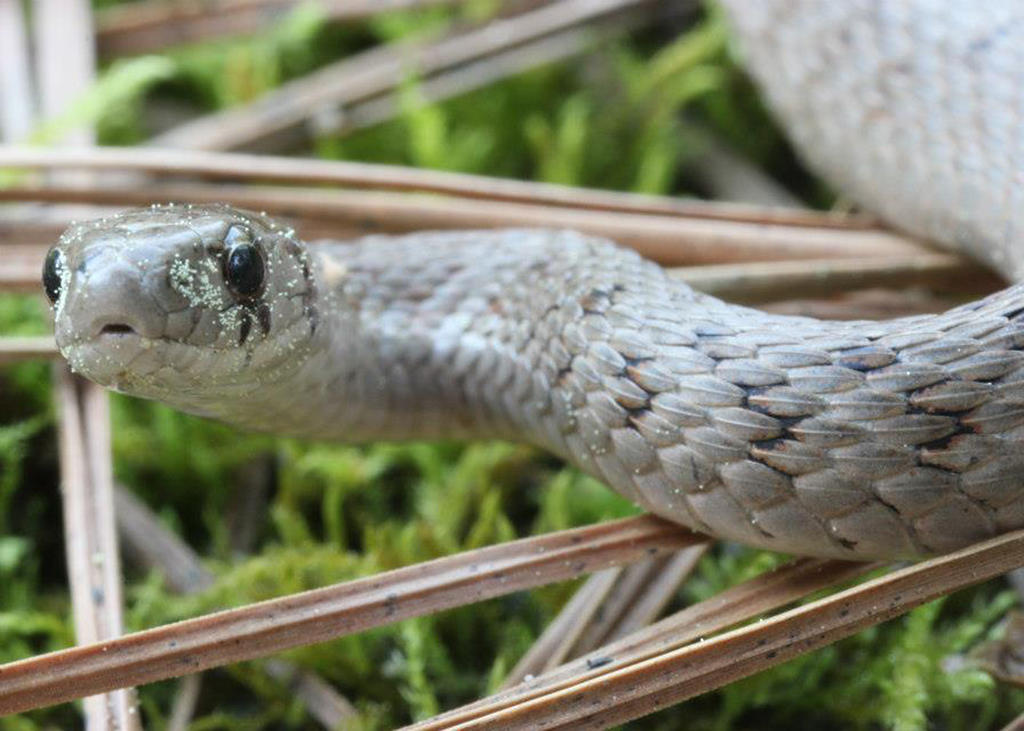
x: 51, y: 274
x: 243, y: 270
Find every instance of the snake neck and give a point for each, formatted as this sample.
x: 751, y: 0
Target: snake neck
x: 852, y: 439
x: 449, y: 335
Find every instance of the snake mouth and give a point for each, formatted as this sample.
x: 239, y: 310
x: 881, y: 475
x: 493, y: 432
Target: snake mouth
x: 117, y: 328
x: 118, y: 340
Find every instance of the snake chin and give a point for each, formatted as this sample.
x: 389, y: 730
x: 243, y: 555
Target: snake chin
x: 114, y: 360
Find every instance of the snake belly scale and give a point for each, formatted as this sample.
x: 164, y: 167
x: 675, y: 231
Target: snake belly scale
x: 855, y: 440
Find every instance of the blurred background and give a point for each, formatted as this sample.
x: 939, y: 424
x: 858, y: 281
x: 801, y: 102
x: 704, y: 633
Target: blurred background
x: 636, y: 96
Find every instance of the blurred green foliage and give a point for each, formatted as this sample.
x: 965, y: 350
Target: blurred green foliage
x: 632, y: 116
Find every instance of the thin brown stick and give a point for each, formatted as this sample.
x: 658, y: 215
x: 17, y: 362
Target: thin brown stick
x: 185, y: 702
x: 17, y: 110
x: 324, y: 703
x: 656, y: 595
x: 263, y: 628
x: 65, y: 59
x: 144, y: 27
x: 268, y: 169
x: 18, y: 349
x: 151, y: 545
x: 604, y: 606
x: 557, y: 639
x: 643, y: 687
x: 94, y: 570
x: 629, y: 585
x: 362, y: 76
x: 772, y: 280
x: 246, y: 509
x: 34, y: 225
x: 469, y: 77
x: 866, y: 304
x: 21, y: 268
x: 761, y: 594
x: 65, y: 66
x: 670, y: 240
x: 724, y: 174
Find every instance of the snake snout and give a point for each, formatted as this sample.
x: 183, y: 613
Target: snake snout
x: 112, y: 301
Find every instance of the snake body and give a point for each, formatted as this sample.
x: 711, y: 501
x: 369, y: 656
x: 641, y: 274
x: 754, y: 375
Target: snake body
x: 856, y: 440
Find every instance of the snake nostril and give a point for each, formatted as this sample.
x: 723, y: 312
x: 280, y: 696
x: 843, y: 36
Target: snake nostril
x: 117, y: 328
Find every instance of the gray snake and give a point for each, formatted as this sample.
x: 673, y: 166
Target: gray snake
x: 856, y: 440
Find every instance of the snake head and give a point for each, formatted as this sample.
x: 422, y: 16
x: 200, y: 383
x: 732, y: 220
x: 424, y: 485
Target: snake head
x: 186, y: 304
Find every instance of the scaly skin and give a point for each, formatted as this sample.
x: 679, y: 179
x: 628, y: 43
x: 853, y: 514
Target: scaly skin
x: 857, y: 440
x: 912, y: 108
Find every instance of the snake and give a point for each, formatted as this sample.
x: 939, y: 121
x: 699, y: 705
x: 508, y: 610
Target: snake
x: 857, y: 440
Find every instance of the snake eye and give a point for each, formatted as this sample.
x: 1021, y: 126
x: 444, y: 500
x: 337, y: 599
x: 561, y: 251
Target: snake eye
x: 52, y: 268
x: 244, y: 270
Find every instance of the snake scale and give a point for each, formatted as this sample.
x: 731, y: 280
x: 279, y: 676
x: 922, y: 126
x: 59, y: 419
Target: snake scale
x: 856, y: 440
